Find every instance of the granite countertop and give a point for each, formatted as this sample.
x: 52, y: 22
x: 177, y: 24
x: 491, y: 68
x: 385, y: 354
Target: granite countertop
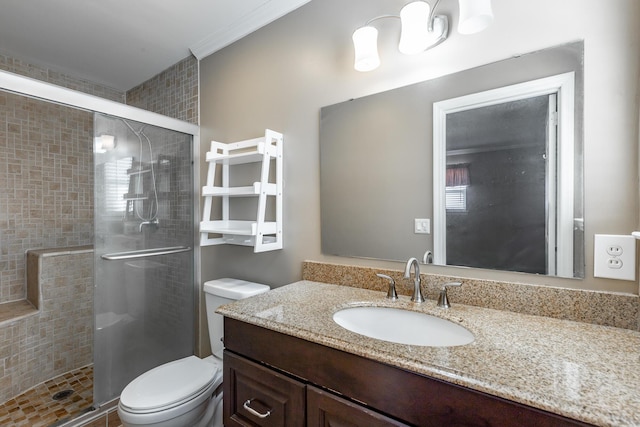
x: 582, y: 371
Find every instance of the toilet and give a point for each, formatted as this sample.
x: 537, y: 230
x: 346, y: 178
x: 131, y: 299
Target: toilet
x: 186, y: 392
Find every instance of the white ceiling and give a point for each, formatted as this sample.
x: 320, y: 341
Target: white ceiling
x: 122, y: 43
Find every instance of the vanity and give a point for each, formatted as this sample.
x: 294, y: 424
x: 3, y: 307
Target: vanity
x: 288, y: 363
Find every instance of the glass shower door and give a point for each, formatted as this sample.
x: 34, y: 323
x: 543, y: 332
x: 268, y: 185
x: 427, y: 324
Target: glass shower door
x: 144, y: 279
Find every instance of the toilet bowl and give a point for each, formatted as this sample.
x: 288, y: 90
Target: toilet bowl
x: 175, y: 394
x: 186, y: 392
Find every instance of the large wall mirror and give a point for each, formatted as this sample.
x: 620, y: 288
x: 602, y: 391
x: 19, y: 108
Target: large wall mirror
x: 491, y: 157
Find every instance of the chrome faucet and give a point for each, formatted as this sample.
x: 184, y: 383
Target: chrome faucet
x: 417, y: 292
x: 443, y: 299
x: 391, y: 293
x: 154, y: 222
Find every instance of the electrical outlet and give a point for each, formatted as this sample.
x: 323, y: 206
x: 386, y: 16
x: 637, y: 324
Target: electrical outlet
x: 614, y: 250
x: 422, y: 226
x: 614, y: 263
x: 614, y: 257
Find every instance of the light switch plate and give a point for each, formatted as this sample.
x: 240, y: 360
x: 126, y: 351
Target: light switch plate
x: 422, y: 226
x: 614, y: 257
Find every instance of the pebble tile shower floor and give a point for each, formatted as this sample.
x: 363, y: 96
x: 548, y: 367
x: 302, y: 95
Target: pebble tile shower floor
x: 37, y: 408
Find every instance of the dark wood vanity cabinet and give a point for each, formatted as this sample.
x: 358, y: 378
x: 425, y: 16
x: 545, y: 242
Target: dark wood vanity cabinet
x: 258, y: 396
x: 307, y: 384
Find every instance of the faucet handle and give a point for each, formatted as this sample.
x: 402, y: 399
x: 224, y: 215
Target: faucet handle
x: 443, y: 299
x: 391, y: 293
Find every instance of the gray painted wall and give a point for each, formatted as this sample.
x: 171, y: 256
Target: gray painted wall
x: 280, y: 76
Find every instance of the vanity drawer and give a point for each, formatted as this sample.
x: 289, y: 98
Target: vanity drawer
x: 326, y: 409
x: 257, y: 396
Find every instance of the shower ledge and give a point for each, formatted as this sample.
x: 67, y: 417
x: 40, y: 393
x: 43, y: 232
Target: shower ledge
x: 15, y: 310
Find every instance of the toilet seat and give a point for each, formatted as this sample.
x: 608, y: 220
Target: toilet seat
x: 170, y: 385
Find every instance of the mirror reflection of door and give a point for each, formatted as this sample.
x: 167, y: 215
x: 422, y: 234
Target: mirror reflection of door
x: 503, y: 178
x: 496, y: 184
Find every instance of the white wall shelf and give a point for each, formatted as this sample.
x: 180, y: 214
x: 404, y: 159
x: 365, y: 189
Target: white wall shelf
x: 262, y: 234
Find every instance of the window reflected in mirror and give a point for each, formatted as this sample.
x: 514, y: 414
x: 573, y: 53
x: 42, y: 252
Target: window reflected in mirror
x: 508, y: 156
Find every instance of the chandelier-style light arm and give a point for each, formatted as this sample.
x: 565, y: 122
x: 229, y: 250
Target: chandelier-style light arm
x: 377, y: 18
x: 432, y: 15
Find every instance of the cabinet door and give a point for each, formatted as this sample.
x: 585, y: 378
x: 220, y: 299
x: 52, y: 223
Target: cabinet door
x: 327, y: 410
x: 258, y: 396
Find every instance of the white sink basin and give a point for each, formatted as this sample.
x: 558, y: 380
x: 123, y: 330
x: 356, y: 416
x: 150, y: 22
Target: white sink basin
x: 402, y: 326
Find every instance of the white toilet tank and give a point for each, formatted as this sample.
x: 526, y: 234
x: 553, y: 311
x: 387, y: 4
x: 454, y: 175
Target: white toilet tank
x: 223, y: 291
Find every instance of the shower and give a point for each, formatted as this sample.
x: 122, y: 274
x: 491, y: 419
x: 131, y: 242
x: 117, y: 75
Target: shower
x: 144, y: 276
x: 141, y: 175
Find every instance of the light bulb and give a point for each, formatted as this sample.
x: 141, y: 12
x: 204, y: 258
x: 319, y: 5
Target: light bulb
x: 414, y: 37
x: 365, y: 43
x: 475, y: 16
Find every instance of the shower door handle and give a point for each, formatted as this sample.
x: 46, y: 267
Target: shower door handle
x: 145, y: 253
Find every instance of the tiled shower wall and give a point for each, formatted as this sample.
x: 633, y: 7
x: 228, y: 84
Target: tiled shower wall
x: 46, y: 183
x: 46, y: 170
x: 59, y: 337
x: 173, y: 93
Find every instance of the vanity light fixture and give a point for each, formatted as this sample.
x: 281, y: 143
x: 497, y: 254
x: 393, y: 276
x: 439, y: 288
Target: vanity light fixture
x: 421, y: 30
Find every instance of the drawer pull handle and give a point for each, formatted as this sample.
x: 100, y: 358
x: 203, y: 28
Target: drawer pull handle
x: 253, y: 411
